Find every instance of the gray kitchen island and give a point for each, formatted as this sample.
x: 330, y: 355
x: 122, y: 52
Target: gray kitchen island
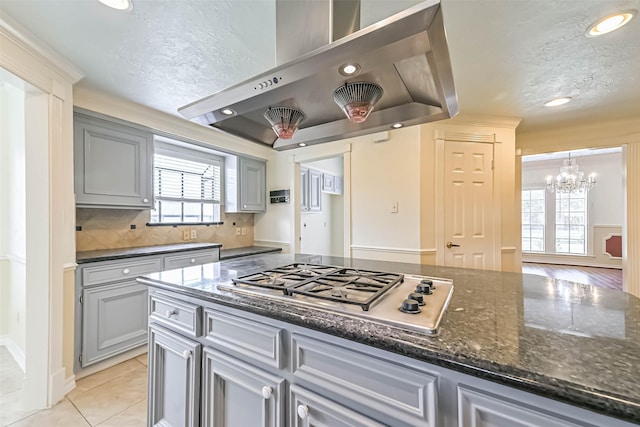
x: 511, y: 350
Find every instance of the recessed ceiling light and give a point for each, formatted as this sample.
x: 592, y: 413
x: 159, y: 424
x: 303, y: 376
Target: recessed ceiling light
x: 227, y: 111
x: 557, y: 101
x: 396, y: 125
x: 118, y: 4
x: 610, y: 23
x: 349, y: 69
x: 302, y: 144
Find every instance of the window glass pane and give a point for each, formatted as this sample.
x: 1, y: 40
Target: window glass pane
x: 171, y: 211
x: 192, y: 212
x: 537, y: 245
x: 207, y: 212
x: 537, y: 218
x: 562, y: 245
x: 525, y: 244
x: 526, y: 231
x: 537, y: 194
x: 537, y: 231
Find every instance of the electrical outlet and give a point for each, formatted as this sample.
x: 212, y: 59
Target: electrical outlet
x: 185, y: 235
x: 238, y: 231
x: 394, y: 207
x: 244, y: 231
x: 194, y: 234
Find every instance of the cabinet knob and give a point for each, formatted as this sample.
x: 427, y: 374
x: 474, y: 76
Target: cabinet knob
x: 266, y: 392
x: 192, y: 260
x: 303, y: 411
x: 125, y: 271
x: 170, y: 313
x: 186, y: 354
x: 145, y: 200
x: 244, y: 206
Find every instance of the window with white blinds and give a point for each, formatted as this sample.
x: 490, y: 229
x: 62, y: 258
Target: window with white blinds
x: 187, y: 186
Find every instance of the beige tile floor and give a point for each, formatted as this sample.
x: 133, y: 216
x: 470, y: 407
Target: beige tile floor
x: 115, y: 397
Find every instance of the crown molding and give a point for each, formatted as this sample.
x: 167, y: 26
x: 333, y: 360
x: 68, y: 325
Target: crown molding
x: 15, y: 32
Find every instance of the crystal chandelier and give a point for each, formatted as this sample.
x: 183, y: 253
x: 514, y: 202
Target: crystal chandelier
x: 571, y: 179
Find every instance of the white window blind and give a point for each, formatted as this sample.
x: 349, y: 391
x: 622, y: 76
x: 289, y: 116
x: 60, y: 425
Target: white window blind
x: 187, y: 186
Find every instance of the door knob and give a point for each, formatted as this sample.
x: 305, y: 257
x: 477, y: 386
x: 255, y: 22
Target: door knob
x: 452, y: 245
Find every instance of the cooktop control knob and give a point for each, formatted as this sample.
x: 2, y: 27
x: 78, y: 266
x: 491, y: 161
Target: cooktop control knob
x: 416, y: 296
x: 428, y: 282
x: 410, y: 306
x: 423, y: 289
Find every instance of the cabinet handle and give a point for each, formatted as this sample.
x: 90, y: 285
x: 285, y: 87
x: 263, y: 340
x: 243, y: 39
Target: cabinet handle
x: 170, y: 313
x: 192, y: 260
x: 303, y: 411
x: 266, y: 392
x: 145, y: 200
x: 186, y: 354
x: 125, y: 271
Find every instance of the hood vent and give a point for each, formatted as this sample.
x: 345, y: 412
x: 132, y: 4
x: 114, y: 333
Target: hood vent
x: 400, y: 65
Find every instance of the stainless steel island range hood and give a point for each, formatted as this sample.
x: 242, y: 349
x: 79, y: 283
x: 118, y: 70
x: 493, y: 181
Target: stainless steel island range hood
x: 406, y: 55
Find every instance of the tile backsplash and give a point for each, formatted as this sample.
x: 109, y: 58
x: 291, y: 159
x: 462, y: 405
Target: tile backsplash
x: 111, y: 229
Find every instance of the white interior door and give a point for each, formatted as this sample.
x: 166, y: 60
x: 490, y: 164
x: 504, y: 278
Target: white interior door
x: 468, y: 205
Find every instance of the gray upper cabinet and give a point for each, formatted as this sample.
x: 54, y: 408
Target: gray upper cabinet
x: 310, y: 190
x: 245, y: 185
x: 113, y: 164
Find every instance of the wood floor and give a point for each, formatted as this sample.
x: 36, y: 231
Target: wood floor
x: 609, y: 278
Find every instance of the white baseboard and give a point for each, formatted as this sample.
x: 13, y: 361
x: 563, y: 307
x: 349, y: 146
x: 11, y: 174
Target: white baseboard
x: 14, y: 350
x: 112, y: 361
x: 70, y: 384
x: 57, y: 386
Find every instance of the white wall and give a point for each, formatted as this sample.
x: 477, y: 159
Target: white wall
x: 12, y: 216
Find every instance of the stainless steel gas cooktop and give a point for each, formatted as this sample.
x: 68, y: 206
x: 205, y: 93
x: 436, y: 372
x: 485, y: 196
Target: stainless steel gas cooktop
x: 411, y: 302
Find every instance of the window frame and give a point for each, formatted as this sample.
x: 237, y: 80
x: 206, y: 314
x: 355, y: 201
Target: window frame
x: 196, y: 155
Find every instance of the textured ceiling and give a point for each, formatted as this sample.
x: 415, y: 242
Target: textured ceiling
x: 508, y: 56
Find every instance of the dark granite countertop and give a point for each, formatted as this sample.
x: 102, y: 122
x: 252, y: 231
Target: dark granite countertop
x: 570, y: 342
x: 111, y: 254
x: 246, y: 251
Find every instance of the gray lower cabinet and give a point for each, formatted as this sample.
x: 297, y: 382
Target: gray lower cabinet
x: 257, y: 371
x: 112, y: 309
x: 310, y: 409
x: 174, y: 379
x: 477, y: 408
x: 113, y: 164
x: 114, y: 318
x: 235, y: 393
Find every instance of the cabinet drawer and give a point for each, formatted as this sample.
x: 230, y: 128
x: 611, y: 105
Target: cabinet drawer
x: 253, y: 340
x: 405, y: 395
x: 119, y: 271
x: 187, y: 259
x: 175, y: 314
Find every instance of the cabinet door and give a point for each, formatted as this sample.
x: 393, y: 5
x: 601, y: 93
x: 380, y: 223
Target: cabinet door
x: 477, y: 409
x: 113, y: 164
x: 253, y: 183
x: 304, y: 189
x: 114, y: 320
x: 328, y: 183
x: 174, y: 379
x: 315, y: 193
x: 235, y: 393
x: 310, y: 409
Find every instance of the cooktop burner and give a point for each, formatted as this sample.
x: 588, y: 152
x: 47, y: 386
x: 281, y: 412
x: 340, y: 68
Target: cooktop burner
x: 344, y: 285
x: 408, y: 301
